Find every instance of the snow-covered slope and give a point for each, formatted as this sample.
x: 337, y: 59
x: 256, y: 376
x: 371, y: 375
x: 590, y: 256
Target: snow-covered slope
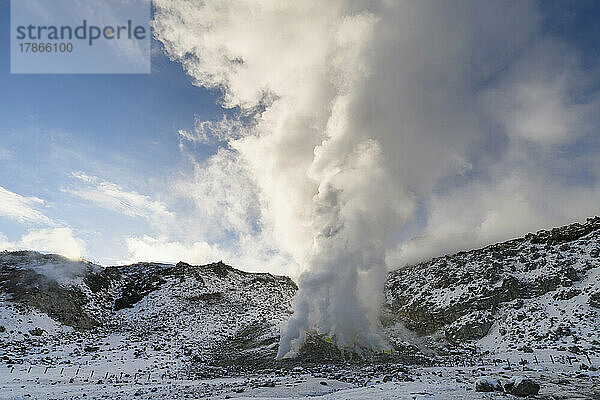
x: 55, y: 310
x: 200, y: 311
x: 535, y: 293
x: 540, y: 292
x: 172, y: 331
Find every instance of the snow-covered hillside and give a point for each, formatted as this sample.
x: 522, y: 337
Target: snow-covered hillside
x: 55, y: 310
x: 537, y: 293
x: 527, y: 307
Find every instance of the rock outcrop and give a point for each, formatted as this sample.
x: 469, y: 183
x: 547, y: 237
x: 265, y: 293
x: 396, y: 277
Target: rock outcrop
x: 542, y: 290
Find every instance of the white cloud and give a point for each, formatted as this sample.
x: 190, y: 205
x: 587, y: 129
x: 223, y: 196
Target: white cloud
x: 206, y: 132
x: 249, y: 254
x: 56, y: 240
x: 148, y: 248
x: 52, y: 240
x: 218, y: 220
x: 22, y: 209
x: 113, y: 197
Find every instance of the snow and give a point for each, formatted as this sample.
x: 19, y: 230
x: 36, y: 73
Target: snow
x: 438, y: 383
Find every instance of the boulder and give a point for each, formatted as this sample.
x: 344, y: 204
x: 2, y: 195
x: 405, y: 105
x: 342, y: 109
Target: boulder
x: 488, y: 385
x: 522, y: 386
x: 37, y: 332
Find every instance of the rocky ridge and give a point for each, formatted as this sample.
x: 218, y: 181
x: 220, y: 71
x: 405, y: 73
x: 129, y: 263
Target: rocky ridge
x: 533, y: 293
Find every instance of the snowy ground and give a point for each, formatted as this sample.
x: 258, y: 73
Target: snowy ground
x: 557, y: 382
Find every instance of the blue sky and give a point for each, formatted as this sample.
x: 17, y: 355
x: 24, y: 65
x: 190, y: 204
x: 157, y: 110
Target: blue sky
x: 93, y: 160
x: 121, y: 128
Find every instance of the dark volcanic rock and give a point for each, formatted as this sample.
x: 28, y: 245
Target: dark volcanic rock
x: 37, y: 332
x: 487, y: 385
x: 64, y: 304
x: 594, y: 300
x: 103, y: 280
x: 472, y: 326
x: 139, y: 280
x: 522, y: 386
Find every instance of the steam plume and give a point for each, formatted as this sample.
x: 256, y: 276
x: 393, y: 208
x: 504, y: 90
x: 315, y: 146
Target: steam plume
x: 364, y: 121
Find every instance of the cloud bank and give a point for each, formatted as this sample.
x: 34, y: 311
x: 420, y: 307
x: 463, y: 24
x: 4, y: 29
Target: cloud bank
x: 376, y: 133
x: 22, y: 209
x: 113, y: 197
x: 53, y: 240
x: 44, y: 234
